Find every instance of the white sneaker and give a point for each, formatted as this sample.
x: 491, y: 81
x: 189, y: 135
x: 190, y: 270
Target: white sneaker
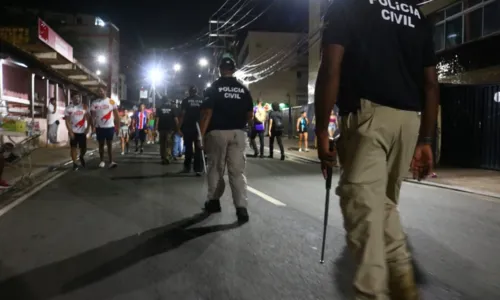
x: 102, y: 164
x: 300, y: 149
x: 123, y: 153
x: 113, y: 165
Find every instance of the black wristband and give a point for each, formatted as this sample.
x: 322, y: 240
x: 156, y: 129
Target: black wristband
x: 425, y: 140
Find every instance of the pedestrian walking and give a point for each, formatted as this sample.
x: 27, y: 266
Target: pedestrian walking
x: 379, y: 62
x: 167, y: 123
x: 258, y: 127
x: 52, y: 121
x: 227, y: 108
x: 78, y: 123
x: 140, y: 127
x: 276, y: 128
x: 302, y: 129
x: 189, y: 116
x: 124, y: 133
x: 106, y: 121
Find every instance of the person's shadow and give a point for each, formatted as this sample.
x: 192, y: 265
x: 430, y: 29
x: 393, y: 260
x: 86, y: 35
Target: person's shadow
x: 68, y: 275
x: 344, y: 271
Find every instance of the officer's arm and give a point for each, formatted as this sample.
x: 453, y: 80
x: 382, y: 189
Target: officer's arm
x: 335, y: 37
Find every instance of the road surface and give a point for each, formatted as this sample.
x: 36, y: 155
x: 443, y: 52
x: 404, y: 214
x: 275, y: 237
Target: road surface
x: 136, y: 232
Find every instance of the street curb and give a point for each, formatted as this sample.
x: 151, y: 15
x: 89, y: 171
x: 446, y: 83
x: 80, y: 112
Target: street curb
x: 427, y: 183
x: 453, y: 188
x: 53, y: 167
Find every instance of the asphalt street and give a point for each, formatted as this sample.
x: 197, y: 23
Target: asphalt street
x: 137, y: 232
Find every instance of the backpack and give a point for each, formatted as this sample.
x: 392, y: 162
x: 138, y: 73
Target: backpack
x: 260, y: 115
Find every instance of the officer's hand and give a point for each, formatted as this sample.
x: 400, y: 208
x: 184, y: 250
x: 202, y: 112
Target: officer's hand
x: 422, y: 162
x: 325, y: 153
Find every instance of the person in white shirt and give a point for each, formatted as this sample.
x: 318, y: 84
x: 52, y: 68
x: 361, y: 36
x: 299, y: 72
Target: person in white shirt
x: 52, y: 121
x: 106, y: 122
x: 78, y: 122
x: 125, y: 122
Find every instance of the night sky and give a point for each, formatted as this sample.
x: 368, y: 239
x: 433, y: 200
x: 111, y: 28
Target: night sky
x: 150, y: 24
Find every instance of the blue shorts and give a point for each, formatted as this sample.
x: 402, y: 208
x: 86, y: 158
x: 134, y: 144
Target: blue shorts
x: 105, y: 134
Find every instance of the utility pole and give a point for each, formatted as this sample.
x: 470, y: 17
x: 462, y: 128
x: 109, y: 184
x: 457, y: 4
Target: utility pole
x: 314, y: 50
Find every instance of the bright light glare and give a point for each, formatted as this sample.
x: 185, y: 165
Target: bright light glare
x: 98, y: 72
x: 101, y: 59
x: 199, y: 76
x: 177, y: 67
x: 155, y: 75
x: 209, y: 84
x: 203, y: 62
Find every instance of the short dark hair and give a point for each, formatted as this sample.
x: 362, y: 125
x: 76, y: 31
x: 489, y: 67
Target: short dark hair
x: 275, y: 106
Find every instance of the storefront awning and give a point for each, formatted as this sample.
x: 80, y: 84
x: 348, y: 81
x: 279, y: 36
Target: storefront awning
x: 50, y: 49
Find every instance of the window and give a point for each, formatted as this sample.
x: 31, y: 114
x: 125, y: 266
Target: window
x: 491, y: 17
x: 453, y: 32
x: 453, y: 10
x: 439, y: 37
x: 473, y: 28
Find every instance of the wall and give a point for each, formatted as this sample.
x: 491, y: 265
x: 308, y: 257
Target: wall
x: 262, y: 46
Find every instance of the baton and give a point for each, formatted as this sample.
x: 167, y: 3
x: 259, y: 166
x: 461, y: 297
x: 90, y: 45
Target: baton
x: 328, y: 185
x: 201, y: 144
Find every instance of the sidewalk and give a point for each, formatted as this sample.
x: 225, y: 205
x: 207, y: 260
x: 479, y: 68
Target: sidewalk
x: 476, y: 181
x: 44, y: 159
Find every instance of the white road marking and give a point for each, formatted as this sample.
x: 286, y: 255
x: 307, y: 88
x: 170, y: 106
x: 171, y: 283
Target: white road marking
x: 265, y: 197
x: 21, y: 199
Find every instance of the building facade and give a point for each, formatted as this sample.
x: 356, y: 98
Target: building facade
x: 261, y: 50
x: 95, y: 42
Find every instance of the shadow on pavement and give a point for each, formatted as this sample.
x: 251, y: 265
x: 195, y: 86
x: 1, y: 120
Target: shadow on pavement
x: 167, y: 174
x: 344, y: 271
x: 71, y: 274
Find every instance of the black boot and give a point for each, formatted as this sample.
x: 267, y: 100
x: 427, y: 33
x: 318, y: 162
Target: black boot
x: 242, y: 214
x: 282, y: 156
x: 212, y: 206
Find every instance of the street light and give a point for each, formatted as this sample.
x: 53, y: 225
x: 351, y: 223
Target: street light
x: 199, y: 76
x: 203, y: 62
x: 101, y: 59
x: 155, y: 75
x: 98, y: 72
x: 209, y: 84
x: 177, y: 67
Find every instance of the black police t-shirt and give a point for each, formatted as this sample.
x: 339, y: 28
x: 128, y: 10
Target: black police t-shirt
x: 166, y: 115
x: 230, y: 102
x: 191, y: 107
x: 387, y: 45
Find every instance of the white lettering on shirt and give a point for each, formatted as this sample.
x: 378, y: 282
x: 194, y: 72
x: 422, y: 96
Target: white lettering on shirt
x: 397, y: 13
x: 231, y: 92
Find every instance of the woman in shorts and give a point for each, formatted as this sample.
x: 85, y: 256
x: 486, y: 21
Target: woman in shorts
x: 302, y: 124
x: 124, y: 132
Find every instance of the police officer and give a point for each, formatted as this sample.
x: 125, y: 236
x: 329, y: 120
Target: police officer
x: 189, y: 116
x: 383, y: 72
x: 226, y: 110
x: 167, y: 123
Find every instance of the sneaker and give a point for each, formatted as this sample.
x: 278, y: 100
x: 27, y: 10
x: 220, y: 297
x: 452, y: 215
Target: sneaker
x: 4, y: 184
x: 82, y: 162
x: 306, y: 150
x: 300, y: 149
x: 75, y: 167
x: 113, y: 165
x: 102, y: 164
x: 123, y: 153
x: 283, y: 157
x: 142, y: 150
x: 212, y: 206
x: 242, y: 214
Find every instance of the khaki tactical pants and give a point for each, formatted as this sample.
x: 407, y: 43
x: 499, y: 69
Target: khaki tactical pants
x: 166, y: 142
x: 227, y: 147
x: 375, y: 151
